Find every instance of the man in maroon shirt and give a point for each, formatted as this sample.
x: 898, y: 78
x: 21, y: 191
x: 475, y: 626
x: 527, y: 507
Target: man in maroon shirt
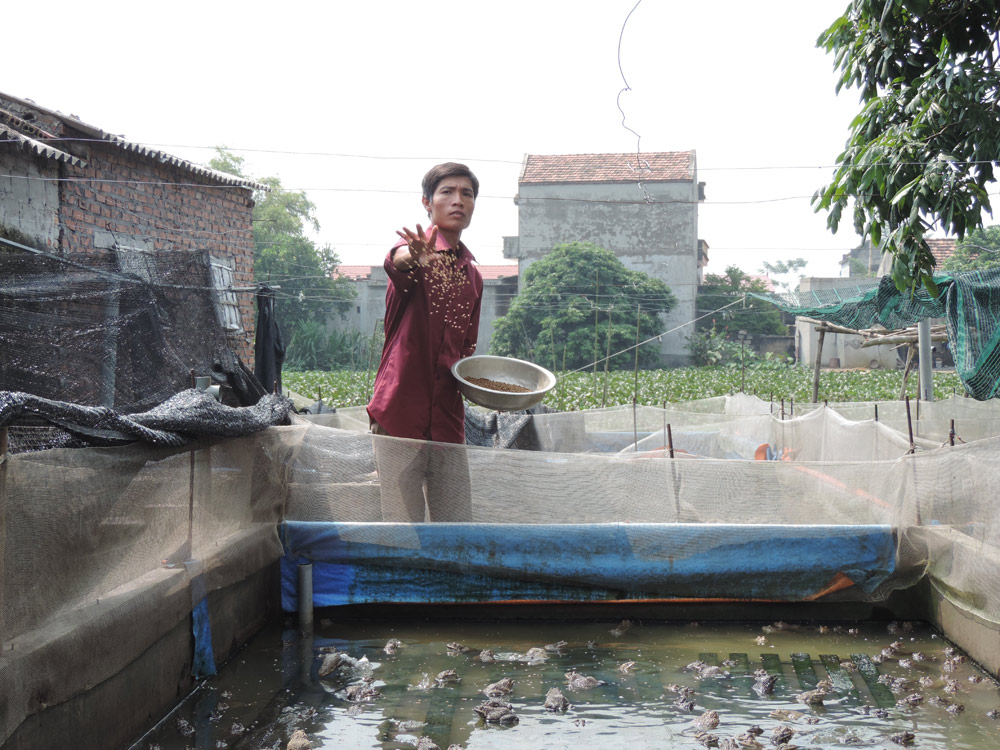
x: 431, y: 321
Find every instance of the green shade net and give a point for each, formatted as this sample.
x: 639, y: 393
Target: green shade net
x: 969, y: 302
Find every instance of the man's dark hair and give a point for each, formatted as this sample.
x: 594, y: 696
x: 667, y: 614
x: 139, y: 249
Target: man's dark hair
x: 448, y: 169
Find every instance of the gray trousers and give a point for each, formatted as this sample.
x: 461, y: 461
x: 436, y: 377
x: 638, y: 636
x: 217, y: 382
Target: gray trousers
x: 420, y: 480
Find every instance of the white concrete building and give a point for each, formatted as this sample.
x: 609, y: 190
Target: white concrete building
x: 499, y: 288
x: 643, y: 208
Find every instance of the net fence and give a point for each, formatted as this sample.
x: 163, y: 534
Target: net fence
x: 738, y: 469
x: 121, y: 328
x: 827, y: 505
x: 969, y: 301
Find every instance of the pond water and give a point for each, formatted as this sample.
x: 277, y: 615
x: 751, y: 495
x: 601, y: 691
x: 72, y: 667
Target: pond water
x: 888, y: 679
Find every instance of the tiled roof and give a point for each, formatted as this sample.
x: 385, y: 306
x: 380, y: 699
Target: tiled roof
x: 497, y: 272
x: 654, y: 166
x: 354, y: 273
x: 941, y: 249
x: 27, y: 134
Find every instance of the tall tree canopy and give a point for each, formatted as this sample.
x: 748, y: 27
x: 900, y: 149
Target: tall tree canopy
x: 754, y: 316
x: 921, y: 151
x: 978, y: 251
x: 285, y: 257
x: 578, y: 302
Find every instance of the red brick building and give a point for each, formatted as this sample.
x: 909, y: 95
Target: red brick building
x: 71, y: 191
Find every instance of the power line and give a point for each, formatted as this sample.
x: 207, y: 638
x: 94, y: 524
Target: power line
x: 485, y: 160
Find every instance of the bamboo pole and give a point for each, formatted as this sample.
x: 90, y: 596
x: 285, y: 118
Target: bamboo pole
x: 900, y: 339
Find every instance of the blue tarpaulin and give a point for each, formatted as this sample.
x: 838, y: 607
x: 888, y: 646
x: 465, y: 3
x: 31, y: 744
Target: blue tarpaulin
x: 355, y: 563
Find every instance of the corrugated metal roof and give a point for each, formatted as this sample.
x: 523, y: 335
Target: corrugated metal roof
x: 42, y: 149
x: 653, y: 166
x: 26, y: 129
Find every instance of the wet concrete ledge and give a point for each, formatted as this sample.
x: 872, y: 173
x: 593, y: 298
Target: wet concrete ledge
x: 101, y: 675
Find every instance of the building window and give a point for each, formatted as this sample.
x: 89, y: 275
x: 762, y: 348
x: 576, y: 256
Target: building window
x: 226, y: 304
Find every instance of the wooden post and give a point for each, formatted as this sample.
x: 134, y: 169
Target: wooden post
x: 819, y: 359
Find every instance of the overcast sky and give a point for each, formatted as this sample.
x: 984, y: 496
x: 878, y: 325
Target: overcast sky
x: 353, y: 101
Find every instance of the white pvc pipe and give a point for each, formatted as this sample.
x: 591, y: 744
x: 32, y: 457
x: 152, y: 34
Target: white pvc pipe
x: 926, y: 360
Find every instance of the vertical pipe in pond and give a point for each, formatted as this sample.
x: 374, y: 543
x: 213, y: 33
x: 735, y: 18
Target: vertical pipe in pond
x: 305, y: 596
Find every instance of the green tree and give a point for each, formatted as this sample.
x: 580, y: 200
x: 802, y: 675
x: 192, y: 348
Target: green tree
x: 285, y: 257
x: 783, y: 268
x: 979, y: 250
x: 752, y: 315
x: 576, y: 303
x: 921, y: 151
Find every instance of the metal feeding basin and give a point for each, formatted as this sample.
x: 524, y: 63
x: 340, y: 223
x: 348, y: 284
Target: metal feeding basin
x: 503, y: 371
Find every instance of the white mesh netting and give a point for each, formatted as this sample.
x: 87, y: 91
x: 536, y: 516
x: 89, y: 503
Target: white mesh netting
x: 80, y: 526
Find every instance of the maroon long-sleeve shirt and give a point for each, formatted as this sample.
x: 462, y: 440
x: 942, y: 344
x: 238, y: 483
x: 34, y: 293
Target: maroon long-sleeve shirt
x: 431, y: 321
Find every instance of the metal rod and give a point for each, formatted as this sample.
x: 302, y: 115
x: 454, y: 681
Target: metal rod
x: 635, y: 427
x: 951, y: 434
x: 876, y: 412
x: 909, y: 423
x: 305, y: 596
x: 670, y: 441
x: 638, y: 320
x: 607, y: 360
x: 666, y: 440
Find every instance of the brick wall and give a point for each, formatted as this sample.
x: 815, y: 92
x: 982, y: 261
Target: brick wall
x: 140, y: 202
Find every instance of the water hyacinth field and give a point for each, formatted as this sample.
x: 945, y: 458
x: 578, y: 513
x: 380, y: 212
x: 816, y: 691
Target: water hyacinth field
x: 586, y: 390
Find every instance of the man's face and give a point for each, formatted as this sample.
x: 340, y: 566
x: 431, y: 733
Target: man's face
x: 452, y: 204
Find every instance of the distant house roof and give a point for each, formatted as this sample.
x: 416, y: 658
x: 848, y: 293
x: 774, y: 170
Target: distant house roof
x: 489, y: 273
x: 941, y: 249
x: 354, y: 273
x: 18, y: 129
x: 497, y: 272
x: 655, y: 166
